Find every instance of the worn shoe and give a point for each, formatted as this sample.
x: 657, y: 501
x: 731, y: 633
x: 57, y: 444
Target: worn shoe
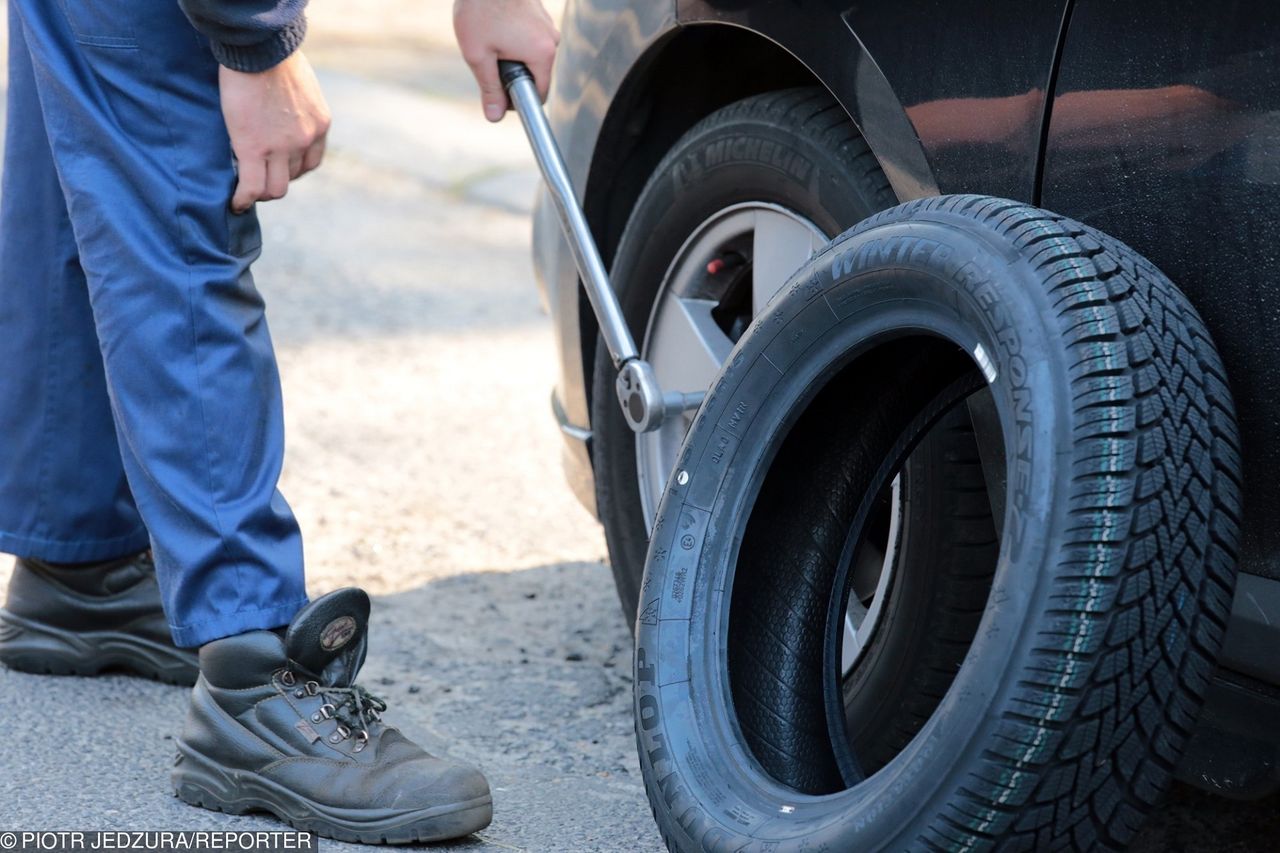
x: 279, y: 725
x: 80, y: 620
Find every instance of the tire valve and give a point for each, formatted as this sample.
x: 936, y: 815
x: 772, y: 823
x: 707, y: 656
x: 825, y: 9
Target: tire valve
x: 725, y: 261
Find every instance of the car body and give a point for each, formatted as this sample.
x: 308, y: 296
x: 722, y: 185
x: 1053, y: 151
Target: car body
x: 1155, y: 122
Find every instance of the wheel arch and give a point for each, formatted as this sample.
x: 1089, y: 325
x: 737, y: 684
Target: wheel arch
x: 694, y: 70
x: 681, y: 79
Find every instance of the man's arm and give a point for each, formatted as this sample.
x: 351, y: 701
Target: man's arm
x: 276, y: 114
x: 249, y: 35
x: 489, y: 30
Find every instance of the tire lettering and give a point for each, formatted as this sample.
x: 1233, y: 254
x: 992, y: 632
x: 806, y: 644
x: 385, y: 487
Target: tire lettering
x: 714, y: 154
x: 717, y: 453
x: 646, y: 672
x: 975, y: 282
x: 881, y: 252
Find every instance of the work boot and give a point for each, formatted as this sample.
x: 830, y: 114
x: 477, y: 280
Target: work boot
x: 279, y: 725
x: 80, y: 620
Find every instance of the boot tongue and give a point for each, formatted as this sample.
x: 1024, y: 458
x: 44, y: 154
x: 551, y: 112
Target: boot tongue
x: 328, y: 637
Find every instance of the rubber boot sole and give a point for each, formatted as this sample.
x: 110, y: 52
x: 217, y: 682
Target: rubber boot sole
x: 200, y: 781
x: 35, y: 647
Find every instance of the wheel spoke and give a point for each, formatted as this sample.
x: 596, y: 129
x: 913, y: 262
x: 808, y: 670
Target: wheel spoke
x: 850, y: 647
x: 782, y: 244
x: 686, y: 346
x: 867, y: 566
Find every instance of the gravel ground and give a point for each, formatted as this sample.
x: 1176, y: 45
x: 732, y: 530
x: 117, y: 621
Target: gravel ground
x: 423, y: 465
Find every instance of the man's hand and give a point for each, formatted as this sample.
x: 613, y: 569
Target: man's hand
x: 277, y: 120
x: 489, y: 30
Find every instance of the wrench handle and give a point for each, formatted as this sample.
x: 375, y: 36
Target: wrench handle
x: 595, y: 279
x: 509, y: 71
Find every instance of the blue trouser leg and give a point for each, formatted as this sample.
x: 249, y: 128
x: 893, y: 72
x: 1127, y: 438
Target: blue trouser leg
x: 129, y: 99
x: 63, y: 494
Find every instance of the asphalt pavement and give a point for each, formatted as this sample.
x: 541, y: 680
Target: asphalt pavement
x: 423, y: 465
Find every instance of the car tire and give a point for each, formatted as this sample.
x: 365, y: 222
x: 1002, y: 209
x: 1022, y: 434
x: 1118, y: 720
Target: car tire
x: 1110, y: 597
x: 728, y: 158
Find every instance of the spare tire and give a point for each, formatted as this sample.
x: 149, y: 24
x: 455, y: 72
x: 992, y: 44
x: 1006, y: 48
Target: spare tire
x: 1115, y: 572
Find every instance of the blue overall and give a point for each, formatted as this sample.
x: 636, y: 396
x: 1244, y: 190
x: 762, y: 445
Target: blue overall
x: 139, y: 396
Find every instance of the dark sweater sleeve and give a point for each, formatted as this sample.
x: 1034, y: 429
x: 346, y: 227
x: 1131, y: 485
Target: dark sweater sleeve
x: 249, y: 35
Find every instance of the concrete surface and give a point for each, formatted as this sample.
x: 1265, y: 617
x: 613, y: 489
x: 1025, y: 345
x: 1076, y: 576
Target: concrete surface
x: 423, y: 465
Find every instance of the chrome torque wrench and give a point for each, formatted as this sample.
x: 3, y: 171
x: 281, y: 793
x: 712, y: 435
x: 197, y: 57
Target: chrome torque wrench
x: 643, y: 402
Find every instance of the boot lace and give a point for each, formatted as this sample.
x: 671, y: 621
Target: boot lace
x: 354, y: 707
x: 358, y: 708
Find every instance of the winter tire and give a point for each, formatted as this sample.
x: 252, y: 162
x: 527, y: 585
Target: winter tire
x: 1098, y: 635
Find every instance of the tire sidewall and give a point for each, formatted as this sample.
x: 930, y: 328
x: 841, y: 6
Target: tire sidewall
x: 935, y: 274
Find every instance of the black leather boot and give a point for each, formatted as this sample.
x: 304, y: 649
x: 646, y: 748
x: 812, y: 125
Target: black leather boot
x: 279, y: 725
x: 80, y: 620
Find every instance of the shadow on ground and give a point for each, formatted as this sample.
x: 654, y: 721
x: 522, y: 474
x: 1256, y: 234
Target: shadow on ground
x: 524, y: 673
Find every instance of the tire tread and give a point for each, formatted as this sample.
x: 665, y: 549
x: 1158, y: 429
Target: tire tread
x: 1187, y: 532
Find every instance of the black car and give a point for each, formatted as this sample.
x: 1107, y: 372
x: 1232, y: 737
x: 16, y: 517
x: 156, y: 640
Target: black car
x: 968, y: 545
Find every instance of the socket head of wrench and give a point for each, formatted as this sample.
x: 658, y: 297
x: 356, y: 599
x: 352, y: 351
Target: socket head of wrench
x: 640, y: 396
